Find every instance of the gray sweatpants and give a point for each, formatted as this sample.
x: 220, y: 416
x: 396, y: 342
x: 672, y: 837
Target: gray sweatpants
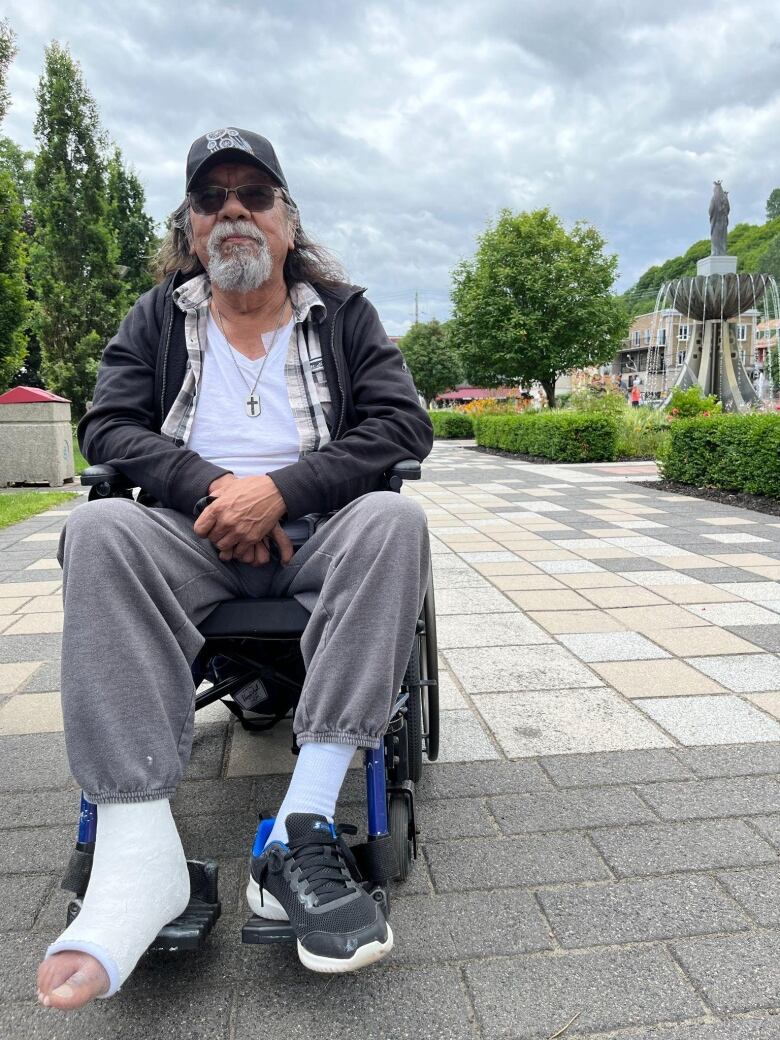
x: 137, y: 582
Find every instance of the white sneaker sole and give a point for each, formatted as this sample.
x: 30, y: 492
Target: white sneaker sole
x: 272, y: 910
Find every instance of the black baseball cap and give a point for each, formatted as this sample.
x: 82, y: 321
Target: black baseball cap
x: 231, y: 144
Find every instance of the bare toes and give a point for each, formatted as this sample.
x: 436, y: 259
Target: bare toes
x: 69, y: 980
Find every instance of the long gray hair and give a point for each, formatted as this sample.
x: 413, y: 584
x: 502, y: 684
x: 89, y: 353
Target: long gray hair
x: 306, y: 261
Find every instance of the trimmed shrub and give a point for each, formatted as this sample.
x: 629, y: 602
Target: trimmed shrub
x: 449, y: 425
x: 560, y: 436
x: 733, y: 452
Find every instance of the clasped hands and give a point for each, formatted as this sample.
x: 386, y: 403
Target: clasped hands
x: 244, y: 520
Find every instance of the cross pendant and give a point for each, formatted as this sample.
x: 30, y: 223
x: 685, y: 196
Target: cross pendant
x: 252, y: 405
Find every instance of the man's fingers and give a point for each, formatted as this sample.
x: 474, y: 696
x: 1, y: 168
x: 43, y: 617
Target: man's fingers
x: 286, y: 549
x: 205, y: 521
x: 245, y: 553
x: 262, y: 554
x: 228, y: 542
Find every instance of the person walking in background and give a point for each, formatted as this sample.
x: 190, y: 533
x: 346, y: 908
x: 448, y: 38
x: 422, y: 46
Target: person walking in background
x: 636, y: 395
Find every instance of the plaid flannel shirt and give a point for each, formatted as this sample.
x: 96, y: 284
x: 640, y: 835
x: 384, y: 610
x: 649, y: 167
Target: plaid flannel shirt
x: 307, y: 386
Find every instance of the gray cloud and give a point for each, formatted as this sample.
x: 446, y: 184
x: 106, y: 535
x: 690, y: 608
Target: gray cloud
x: 404, y: 127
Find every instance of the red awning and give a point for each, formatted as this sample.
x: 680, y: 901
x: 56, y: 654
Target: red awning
x: 476, y: 393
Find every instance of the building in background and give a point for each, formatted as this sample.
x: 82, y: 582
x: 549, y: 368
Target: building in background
x: 670, y: 333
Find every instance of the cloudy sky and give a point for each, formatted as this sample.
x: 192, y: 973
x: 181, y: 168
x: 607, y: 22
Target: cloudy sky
x: 403, y: 128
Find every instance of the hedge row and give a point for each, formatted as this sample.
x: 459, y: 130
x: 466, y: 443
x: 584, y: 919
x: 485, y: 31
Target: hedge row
x: 560, y: 436
x: 734, y: 452
x: 451, y: 424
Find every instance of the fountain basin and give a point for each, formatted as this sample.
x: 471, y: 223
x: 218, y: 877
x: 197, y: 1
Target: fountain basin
x: 717, y: 296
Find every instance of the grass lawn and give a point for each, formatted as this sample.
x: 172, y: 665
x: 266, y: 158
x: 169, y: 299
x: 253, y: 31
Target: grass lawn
x: 79, y: 461
x: 19, y: 505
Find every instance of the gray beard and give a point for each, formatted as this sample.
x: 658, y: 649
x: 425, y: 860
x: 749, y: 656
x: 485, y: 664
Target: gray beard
x: 244, y: 268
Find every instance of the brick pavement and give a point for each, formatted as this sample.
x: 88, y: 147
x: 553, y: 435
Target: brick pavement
x: 600, y: 840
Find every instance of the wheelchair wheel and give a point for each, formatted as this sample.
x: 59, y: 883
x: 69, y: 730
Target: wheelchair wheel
x: 400, y: 823
x: 429, y: 670
x: 414, y: 715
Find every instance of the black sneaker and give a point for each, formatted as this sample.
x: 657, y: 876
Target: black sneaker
x: 308, y: 883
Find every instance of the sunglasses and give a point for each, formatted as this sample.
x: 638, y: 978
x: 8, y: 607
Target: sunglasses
x: 254, y: 197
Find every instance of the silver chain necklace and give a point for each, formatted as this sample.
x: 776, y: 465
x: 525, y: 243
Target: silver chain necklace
x: 252, y: 403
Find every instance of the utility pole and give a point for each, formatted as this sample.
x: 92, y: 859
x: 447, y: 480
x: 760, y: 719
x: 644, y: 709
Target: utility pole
x: 416, y: 308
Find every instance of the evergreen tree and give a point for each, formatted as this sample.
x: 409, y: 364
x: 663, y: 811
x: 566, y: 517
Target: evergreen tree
x: 773, y: 205
x: 133, y: 228
x: 13, y: 288
x: 78, y: 292
x: 7, y: 55
x: 19, y: 163
x: 13, y: 256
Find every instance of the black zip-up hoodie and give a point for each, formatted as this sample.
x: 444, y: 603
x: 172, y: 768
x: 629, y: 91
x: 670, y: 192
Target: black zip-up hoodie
x: 376, y: 419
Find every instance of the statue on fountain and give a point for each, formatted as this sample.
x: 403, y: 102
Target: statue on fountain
x: 715, y: 301
x: 719, y: 220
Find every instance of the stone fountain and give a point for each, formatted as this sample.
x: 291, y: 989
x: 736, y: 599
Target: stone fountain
x: 712, y: 300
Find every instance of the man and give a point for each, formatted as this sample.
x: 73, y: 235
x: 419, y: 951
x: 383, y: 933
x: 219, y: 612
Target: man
x: 253, y: 375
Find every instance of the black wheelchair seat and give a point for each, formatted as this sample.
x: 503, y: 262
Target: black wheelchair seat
x: 276, y: 618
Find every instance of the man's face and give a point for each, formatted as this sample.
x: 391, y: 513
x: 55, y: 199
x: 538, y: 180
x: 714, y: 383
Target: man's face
x: 240, y: 249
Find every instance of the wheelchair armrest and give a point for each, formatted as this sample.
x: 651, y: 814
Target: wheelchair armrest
x: 406, y: 469
x: 104, y: 474
x: 105, y: 481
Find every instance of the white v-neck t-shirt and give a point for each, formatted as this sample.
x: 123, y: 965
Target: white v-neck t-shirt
x: 222, y: 432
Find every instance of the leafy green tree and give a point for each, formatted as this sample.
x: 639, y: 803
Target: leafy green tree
x: 431, y: 358
x: 13, y: 255
x: 773, y: 205
x: 78, y: 291
x: 770, y: 259
x: 133, y: 228
x: 535, y: 302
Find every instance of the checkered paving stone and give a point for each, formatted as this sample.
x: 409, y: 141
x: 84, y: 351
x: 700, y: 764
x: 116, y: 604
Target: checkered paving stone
x: 599, y: 848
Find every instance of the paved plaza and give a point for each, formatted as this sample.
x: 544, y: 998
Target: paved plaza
x: 600, y: 840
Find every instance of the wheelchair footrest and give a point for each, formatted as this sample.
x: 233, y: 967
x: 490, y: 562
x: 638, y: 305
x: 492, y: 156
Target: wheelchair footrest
x: 259, y: 931
x: 190, y: 929
x: 187, y: 932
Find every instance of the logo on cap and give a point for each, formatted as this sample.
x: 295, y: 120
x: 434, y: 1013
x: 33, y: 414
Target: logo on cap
x: 227, y: 138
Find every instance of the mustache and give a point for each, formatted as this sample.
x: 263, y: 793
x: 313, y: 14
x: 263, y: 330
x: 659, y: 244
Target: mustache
x: 227, y: 228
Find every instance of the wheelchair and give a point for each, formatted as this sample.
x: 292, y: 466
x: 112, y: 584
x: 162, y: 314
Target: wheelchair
x: 251, y: 661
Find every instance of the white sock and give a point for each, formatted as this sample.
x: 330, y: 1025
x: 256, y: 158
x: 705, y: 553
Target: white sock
x: 139, y: 882
x: 315, y: 784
